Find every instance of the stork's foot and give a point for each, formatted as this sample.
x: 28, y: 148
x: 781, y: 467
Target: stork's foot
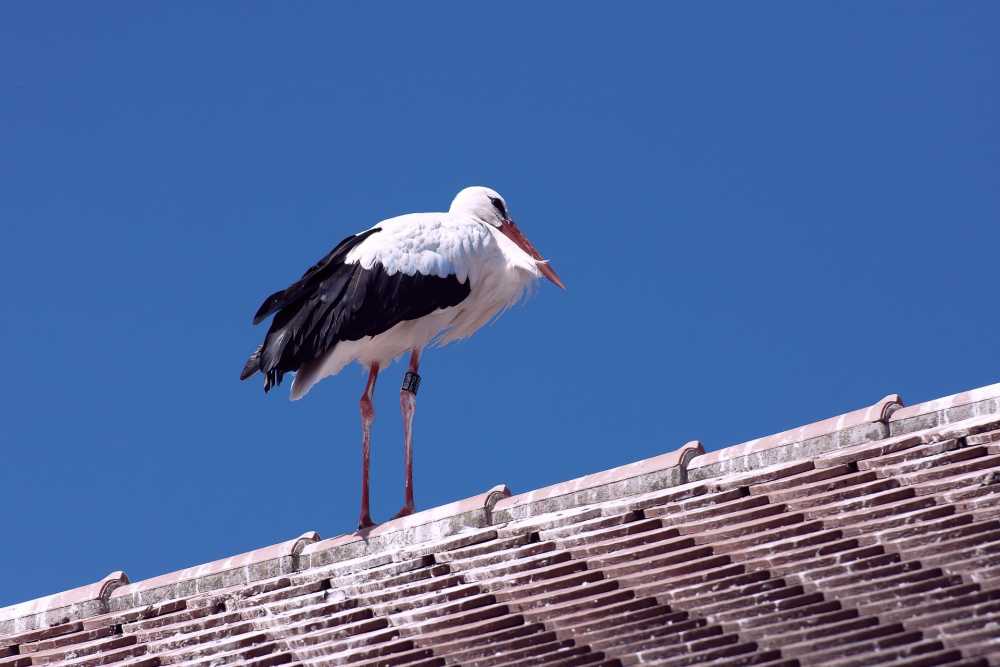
x: 365, y: 522
x: 406, y: 511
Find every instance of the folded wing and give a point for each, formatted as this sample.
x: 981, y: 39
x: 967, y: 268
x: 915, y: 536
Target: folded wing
x: 355, y: 291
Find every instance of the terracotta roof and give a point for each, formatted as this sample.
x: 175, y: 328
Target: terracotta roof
x: 868, y: 538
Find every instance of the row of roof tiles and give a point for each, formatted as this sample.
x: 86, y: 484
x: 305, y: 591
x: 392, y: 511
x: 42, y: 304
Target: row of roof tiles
x: 872, y: 534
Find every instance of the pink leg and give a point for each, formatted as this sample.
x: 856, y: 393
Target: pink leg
x: 367, y: 417
x: 408, y: 406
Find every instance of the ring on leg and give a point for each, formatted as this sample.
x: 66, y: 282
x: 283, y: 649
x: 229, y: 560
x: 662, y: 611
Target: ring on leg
x: 411, y: 382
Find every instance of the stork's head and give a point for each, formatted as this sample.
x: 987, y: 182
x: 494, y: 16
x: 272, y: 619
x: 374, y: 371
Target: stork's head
x: 488, y: 207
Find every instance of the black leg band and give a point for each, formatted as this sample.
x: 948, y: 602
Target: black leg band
x: 411, y: 382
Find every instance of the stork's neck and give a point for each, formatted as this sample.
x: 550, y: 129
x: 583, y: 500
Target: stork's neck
x: 516, y: 258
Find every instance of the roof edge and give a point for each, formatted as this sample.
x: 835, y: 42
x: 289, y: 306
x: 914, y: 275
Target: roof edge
x: 850, y: 428
x: 59, y: 608
x: 652, y: 474
x: 947, y: 409
x: 435, y: 523
x: 263, y: 563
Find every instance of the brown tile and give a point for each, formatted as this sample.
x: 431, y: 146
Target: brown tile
x: 679, y: 494
x: 863, y: 484
x: 647, y: 636
x: 634, y: 610
x: 855, y: 563
x: 417, y: 576
x: 579, y: 604
x: 988, y: 437
x: 709, y: 511
x: 824, y: 628
x: 15, y: 661
x: 709, y: 650
x: 662, y: 586
x: 696, y: 502
x: 597, y: 524
x: 727, y: 587
x: 931, y: 542
x: 656, y: 640
x: 970, y: 608
x: 38, y: 635
x: 468, y: 629
x: 842, y: 636
x: 759, y: 595
x: 915, y: 598
x: 479, y: 644
x: 547, y: 521
x: 429, y: 612
x: 503, y: 642
x: 972, y: 465
x: 103, y: 645
x: 613, y: 536
x: 64, y: 640
x: 118, y: 655
x: 781, y: 617
x: 551, y: 588
x: 648, y: 554
x: 414, y: 657
x: 559, y: 657
x: 821, y: 487
x: 869, y: 651
x: 883, y: 492
x: 493, y: 558
x: 362, y: 634
x: 766, y: 531
x: 521, y: 655
x: 499, y: 545
x: 121, y: 618
x: 395, y: 601
x: 411, y: 591
x: 891, y: 464
x: 808, y: 477
x: 868, y: 450
x: 762, y: 475
x: 794, y: 548
x: 453, y: 543
x: 809, y: 618
x: 767, y: 610
x: 649, y: 570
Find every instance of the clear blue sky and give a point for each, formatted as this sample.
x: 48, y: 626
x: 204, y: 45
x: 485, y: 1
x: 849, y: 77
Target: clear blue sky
x: 766, y: 214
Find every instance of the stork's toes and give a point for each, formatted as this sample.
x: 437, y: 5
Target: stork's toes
x: 365, y: 522
x: 406, y: 511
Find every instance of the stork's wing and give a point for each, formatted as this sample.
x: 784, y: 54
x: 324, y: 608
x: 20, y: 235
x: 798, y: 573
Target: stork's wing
x: 313, y: 279
x: 345, y: 298
x: 424, y: 243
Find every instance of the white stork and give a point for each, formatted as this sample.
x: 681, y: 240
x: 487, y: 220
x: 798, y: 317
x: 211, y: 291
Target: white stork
x: 395, y: 288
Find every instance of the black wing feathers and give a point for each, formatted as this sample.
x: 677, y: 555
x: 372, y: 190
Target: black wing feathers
x: 253, y: 363
x: 310, y: 278
x: 334, y: 301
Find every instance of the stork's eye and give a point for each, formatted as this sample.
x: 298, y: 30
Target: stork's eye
x: 498, y: 205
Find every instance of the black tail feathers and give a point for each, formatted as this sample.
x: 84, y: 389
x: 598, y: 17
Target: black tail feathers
x: 252, y: 366
x: 253, y: 363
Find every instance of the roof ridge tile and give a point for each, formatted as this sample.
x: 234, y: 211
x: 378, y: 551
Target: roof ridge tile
x: 804, y: 442
x: 956, y: 407
x: 60, y: 608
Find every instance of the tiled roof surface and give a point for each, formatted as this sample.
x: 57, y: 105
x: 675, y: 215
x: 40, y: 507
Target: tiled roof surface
x: 870, y: 538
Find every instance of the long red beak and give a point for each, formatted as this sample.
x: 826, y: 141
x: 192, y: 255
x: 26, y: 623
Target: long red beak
x: 511, y: 231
